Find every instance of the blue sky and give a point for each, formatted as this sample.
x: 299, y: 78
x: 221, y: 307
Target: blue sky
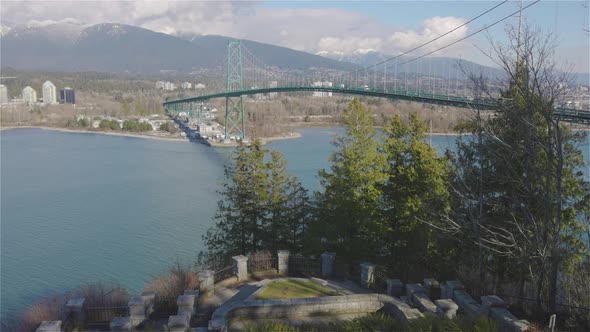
x: 334, y: 28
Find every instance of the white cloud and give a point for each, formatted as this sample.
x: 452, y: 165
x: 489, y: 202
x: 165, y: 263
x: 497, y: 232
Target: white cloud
x: 431, y: 29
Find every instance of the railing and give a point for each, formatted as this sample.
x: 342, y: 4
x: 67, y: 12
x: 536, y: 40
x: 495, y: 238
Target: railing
x: 164, y: 307
x: 104, y: 313
x: 224, y: 273
x: 262, y: 265
x: 380, y: 277
x: 306, y: 266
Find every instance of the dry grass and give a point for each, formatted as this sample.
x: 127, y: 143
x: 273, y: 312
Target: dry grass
x: 173, y: 284
x: 51, y: 308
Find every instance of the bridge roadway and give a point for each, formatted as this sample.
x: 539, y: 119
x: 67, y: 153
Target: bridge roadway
x: 564, y: 114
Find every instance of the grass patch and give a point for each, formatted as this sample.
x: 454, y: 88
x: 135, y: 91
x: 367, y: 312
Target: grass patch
x: 293, y: 289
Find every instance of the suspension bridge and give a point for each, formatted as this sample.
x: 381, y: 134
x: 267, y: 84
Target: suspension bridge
x: 402, y: 79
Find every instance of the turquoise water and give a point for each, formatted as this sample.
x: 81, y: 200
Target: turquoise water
x: 79, y: 208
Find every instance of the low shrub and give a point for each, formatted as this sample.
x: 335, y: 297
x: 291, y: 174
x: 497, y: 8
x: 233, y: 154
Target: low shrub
x: 173, y: 284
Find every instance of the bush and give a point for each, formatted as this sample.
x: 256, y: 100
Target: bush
x: 169, y: 127
x: 109, y: 124
x: 173, y: 284
x: 136, y: 126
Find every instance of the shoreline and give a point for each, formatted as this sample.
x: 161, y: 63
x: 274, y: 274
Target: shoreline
x: 264, y: 140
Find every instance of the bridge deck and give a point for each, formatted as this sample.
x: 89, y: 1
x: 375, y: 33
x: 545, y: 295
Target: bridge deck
x: 564, y: 114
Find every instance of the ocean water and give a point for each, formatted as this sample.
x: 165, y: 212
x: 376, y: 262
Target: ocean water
x: 79, y: 208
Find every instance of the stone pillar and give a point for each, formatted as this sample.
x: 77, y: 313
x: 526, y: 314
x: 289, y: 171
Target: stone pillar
x: 49, y: 326
x: 76, y: 310
x: 149, y: 299
x: 367, y: 275
x: 207, y: 280
x: 186, y: 305
x: 446, y: 308
x: 241, y: 267
x: 395, y: 287
x: 283, y: 262
x: 328, y: 263
x: 136, y: 311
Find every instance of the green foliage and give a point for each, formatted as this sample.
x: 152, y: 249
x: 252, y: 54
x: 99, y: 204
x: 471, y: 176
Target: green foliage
x: 260, y: 206
x: 73, y: 123
x: 169, y: 127
x: 109, y: 124
x: 136, y: 126
x: 414, y: 196
x: 348, y: 206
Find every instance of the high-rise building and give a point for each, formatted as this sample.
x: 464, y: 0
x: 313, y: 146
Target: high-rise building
x: 67, y: 96
x: 169, y: 86
x: 186, y: 85
x: 3, y: 94
x: 160, y: 84
x: 29, y: 95
x: 49, y: 93
x: 199, y: 86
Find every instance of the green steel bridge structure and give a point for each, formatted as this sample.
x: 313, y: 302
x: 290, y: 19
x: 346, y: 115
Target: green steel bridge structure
x: 249, y: 76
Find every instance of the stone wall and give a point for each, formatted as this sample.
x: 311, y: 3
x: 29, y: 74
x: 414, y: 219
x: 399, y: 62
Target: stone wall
x: 284, y: 308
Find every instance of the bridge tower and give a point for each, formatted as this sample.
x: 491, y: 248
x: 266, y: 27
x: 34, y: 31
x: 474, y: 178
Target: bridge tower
x: 234, y: 106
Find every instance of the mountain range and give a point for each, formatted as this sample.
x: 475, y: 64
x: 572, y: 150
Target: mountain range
x: 112, y: 47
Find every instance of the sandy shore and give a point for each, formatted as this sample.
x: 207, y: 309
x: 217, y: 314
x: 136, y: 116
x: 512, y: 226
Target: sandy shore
x: 111, y: 133
x: 264, y: 140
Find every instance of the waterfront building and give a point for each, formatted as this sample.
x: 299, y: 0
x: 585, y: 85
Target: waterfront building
x: 322, y: 93
x: 169, y: 86
x: 49, y: 93
x: 29, y: 95
x: 3, y: 94
x: 67, y: 96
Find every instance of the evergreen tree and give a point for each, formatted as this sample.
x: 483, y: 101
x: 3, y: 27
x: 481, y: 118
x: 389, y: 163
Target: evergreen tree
x: 347, y: 215
x: 414, y: 196
x: 261, y: 207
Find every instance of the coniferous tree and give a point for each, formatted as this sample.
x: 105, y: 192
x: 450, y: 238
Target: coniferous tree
x: 347, y: 216
x: 414, y: 196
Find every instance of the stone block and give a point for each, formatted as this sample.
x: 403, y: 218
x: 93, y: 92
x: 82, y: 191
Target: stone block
x: 367, y: 275
x: 178, y: 323
x: 216, y: 325
x: 136, y: 311
x: 241, y: 267
x: 121, y: 324
x: 283, y: 262
x: 49, y: 326
x: 207, y: 280
x: 467, y: 303
x: 493, y: 301
x: 149, y: 299
x: 411, y: 289
x: 395, y: 287
x: 76, y: 309
x: 448, y: 288
x: 507, y: 321
x: 446, y: 308
x: 328, y: 263
x: 186, y: 304
x: 423, y: 303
